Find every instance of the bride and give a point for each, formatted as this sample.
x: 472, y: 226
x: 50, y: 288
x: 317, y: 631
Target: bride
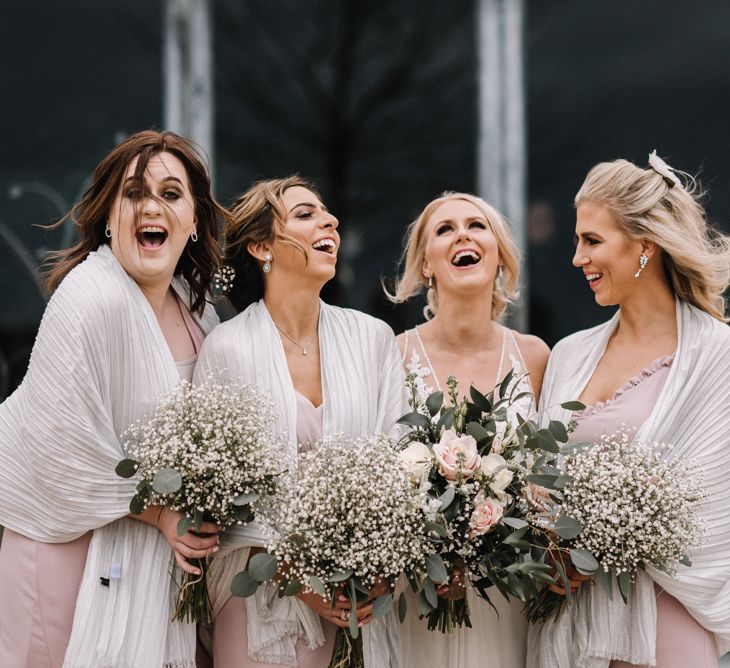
x: 462, y: 250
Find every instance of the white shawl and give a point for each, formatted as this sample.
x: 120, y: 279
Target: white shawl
x: 98, y: 364
x: 692, y: 413
x: 363, y: 390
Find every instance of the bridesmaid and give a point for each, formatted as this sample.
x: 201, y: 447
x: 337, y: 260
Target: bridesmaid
x: 659, y: 367
x: 462, y: 250
x: 327, y: 369
x: 126, y: 321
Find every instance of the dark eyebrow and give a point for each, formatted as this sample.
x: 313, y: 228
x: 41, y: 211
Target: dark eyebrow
x: 314, y: 206
x: 167, y: 178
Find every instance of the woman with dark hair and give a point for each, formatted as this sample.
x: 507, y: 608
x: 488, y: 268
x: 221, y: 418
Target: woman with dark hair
x: 328, y: 370
x: 659, y: 367
x: 83, y: 583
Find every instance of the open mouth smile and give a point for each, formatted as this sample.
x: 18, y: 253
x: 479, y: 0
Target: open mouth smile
x: 465, y: 258
x: 593, y: 279
x: 151, y: 237
x: 326, y: 245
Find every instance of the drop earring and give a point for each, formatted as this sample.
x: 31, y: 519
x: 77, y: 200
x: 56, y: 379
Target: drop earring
x: 643, y: 260
x: 267, y: 265
x: 107, y: 232
x: 430, y: 282
x: 194, y: 235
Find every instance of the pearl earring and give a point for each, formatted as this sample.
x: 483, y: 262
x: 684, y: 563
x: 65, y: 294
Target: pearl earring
x: 430, y: 282
x: 267, y: 265
x: 643, y: 259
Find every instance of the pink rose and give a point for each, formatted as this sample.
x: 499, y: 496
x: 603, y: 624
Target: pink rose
x: 457, y: 454
x: 487, y: 512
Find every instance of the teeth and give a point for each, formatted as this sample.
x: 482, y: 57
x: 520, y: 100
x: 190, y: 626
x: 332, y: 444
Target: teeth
x: 324, y: 243
x: 463, y: 253
x: 153, y: 228
x: 591, y: 277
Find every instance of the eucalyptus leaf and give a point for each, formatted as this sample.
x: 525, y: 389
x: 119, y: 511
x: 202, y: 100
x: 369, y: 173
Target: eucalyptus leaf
x: 446, y: 421
x: 263, y: 566
x: 477, y: 432
x: 402, y: 607
x: 584, y: 561
x: 479, y: 400
x: 434, y: 402
x: 136, y: 505
x: 244, y: 585
x: 415, y: 419
x: 436, y: 528
x: 685, y: 560
x: 546, y: 441
x: 572, y: 405
x: 557, y: 429
x: 436, y: 569
x: 504, y: 385
x: 126, y: 468
x: 515, y: 522
x: 183, y: 525
x: 339, y: 576
x: 429, y: 591
x: 245, y: 499
x: 293, y: 587
x: 167, y: 481
x: 447, y: 497
x: 353, y: 621
x: 316, y: 585
x: 424, y: 607
x: 624, y: 585
x: 567, y: 527
x: 382, y: 605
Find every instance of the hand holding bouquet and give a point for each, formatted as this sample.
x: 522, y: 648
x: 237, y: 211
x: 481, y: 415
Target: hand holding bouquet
x: 209, y: 452
x: 615, y: 507
x: 349, y: 524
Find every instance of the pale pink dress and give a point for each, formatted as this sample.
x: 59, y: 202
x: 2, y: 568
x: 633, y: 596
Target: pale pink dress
x: 39, y: 582
x: 681, y: 642
x: 230, y: 632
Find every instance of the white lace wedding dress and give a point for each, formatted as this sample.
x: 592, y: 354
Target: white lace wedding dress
x: 496, y: 639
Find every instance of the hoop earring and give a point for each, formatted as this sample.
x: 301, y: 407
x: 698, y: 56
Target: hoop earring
x: 107, y: 232
x: 643, y: 260
x: 194, y: 235
x: 267, y: 265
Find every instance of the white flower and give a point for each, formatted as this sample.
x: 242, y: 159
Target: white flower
x: 495, y: 466
x: 418, y: 459
x: 662, y: 168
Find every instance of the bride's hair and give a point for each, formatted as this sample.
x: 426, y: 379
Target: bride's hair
x: 412, y: 280
x: 667, y: 211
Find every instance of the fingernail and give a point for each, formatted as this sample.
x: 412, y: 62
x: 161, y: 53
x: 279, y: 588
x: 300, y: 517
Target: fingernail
x: 216, y: 548
x: 361, y: 624
x: 343, y: 598
x: 197, y: 572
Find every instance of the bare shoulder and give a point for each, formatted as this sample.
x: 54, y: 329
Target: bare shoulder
x: 536, y: 353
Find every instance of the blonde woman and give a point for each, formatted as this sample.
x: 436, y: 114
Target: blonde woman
x: 461, y: 249
x: 660, y: 366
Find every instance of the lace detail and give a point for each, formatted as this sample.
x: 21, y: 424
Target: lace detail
x: 632, y: 382
x: 414, y: 363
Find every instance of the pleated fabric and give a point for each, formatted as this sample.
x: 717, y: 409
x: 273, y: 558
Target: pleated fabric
x: 692, y: 413
x: 364, y: 394
x: 99, y: 363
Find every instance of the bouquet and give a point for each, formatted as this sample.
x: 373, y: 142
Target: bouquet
x: 471, y: 461
x: 349, y: 520
x: 613, y: 508
x: 209, y: 452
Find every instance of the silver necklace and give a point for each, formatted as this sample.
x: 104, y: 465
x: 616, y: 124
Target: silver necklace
x: 433, y: 373
x: 303, y: 347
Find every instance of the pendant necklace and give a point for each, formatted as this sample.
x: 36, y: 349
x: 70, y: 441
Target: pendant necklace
x: 303, y: 347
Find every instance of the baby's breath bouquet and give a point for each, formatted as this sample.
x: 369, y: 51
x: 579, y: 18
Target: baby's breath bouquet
x: 349, y: 521
x: 472, y: 459
x: 615, y: 507
x: 211, y: 453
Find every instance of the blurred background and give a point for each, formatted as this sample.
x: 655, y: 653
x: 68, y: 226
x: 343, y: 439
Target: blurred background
x: 383, y: 104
